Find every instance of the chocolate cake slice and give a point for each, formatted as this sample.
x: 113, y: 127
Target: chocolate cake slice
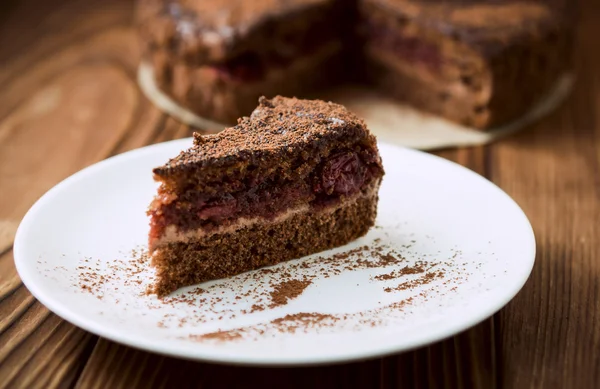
x: 295, y: 178
x: 481, y: 63
x: 217, y: 57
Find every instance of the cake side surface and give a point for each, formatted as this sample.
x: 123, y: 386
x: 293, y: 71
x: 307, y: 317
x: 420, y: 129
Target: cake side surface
x: 294, y: 178
x: 478, y: 63
x: 186, y: 263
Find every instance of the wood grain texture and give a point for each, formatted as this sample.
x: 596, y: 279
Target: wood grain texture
x: 444, y: 365
x: 551, y: 332
x: 69, y: 98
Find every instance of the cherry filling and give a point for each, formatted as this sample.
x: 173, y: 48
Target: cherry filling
x: 343, y: 173
x: 411, y: 49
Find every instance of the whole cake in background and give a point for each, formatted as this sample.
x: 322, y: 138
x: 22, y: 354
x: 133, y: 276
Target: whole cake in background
x: 295, y: 178
x: 477, y: 63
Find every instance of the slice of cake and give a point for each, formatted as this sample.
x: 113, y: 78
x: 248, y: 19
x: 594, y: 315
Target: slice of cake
x: 480, y: 63
x: 295, y: 178
x: 217, y: 57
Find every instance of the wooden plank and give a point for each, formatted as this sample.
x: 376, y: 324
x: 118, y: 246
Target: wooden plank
x: 550, y: 333
x: 137, y: 369
x: 45, y: 350
x: 35, y: 31
x: 72, y: 100
x: 464, y: 361
x: 9, y: 279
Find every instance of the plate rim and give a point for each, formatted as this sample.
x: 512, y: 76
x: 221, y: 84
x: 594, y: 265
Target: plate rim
x: 433, y: 335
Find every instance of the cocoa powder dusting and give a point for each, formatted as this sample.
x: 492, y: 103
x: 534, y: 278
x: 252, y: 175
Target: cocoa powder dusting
x: 287, y: 290
x: 258, y: 291
x: 424, y: 280
x: 418, y: 268
x: 219, y: 335
x: 290, y: 324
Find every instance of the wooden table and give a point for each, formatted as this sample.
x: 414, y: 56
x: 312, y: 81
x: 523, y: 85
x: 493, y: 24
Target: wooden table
x: 69, y: 98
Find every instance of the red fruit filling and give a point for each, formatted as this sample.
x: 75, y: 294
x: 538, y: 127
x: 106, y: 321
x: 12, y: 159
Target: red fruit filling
x: 342, y: 173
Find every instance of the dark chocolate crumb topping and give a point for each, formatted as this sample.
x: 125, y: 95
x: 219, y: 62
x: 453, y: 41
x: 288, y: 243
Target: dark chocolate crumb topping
x: 277, y: 128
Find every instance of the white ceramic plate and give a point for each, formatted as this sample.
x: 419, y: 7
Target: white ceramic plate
x: 475, y: 244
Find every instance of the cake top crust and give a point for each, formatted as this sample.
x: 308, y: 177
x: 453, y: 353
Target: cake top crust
x: 487, y: 25
x: 212, y: 30
x: 276, y: 129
